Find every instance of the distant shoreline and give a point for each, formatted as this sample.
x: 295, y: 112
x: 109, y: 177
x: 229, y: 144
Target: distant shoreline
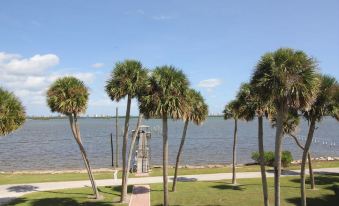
x: 101, y: 117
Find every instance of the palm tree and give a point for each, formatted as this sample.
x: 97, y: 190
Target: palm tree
x: 232, y: 111
x: 325, y: 104
x: 197, y: 112
x: 251, y: 106
x: 12, y: 113
x: 69, y: 96
x: 164, y: 99
x: 128, y: 79
x: 288, y: 78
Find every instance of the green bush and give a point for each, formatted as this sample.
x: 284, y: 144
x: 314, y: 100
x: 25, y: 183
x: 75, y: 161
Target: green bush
x: 286, y: 158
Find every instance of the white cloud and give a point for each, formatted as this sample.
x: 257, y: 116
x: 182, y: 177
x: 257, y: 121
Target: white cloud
x: 209, y: 84
x: 97, y: 65
x: 13, y: 64
x: 6, y: 56
x: 29, y: 78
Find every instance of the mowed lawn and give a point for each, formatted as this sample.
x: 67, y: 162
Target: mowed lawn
x: 247, y: 192
x: 12, y: 178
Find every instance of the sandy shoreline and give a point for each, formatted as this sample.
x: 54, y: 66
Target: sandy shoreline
x: 98, y: 170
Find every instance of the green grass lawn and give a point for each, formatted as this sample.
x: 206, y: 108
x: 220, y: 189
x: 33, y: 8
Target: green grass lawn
x: 247, y: 192
x: 10, y: 178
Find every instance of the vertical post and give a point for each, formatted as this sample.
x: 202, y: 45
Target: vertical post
x: 112, y: 150
x: 116, y: 139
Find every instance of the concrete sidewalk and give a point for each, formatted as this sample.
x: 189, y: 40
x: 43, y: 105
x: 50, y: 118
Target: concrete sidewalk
x: 11, y: 191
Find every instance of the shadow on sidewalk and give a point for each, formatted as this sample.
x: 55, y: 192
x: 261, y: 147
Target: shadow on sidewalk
x: 22, y: 188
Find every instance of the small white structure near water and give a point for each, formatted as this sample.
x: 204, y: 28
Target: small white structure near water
x: 141, y: 155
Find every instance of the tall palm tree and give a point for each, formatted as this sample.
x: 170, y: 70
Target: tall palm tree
x: 288, y: 78
x: 251, y: 106
x: 232, y: 111
x: 325, y: 104
x: 196, y: 112
x: 164, y: 99
x: 128, y: 79
x: 12, y: 113
x: 69, y: 96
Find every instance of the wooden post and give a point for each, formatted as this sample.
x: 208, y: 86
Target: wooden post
x: 116, y: 139
x: 112, y: 150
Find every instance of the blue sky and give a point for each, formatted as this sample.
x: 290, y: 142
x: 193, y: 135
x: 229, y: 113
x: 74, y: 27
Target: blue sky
x: 216, y: 43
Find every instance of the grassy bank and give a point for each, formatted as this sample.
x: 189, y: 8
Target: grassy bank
x: 11, y: 178
x: 248, y: 192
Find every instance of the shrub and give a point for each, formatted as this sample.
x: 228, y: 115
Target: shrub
x: 286, y: 158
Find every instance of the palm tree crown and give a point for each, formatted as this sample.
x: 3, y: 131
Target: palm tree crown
x: 231, y: 110
x: 68, y: 95
x: 287, y: 76
x: 325, y: 103
x: 244, y: 106
x: 197, y: 109
x: 167, y: 87
x: 127, y: 78
x: 12, y: 113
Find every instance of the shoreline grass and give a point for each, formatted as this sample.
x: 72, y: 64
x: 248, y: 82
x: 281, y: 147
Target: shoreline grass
x: 13, y: 178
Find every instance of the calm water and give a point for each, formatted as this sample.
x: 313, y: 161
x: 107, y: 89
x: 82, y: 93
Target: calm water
x: 48, y: 144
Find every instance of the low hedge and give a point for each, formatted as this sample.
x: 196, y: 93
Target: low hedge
x: 286, y: 158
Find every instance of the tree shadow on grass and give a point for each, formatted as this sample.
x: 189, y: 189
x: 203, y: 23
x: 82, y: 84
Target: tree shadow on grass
x: 325, y: 200
x: 321, y: 179
x: 229, y: 187
x: 12, y: 201
x: 69, y: 193
x: 58, y: 202
x: 118, y: 188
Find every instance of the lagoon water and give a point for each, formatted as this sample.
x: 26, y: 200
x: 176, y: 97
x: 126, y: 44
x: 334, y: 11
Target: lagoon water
x: 49, y: 145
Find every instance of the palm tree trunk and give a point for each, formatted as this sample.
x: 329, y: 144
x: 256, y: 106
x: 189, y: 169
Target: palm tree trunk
x: 311, y: 170
x: 124, y: 151
x: 234, y: 181
x: 116, y: 139
x: 308, y: 159
x: 178, y: 156
x: 165, y: 159
x: 76, y: 133
x: 261, y: 159
x: 281, y: 116
x: 303, y: 161
x: 132, y: 144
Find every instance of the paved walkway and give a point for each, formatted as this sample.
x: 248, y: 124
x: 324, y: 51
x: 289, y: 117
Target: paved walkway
x: 141, y: 196
x: 8, y: 192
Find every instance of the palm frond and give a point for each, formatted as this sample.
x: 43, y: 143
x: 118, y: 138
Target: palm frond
x: 68, y: 95
x: 12, y: 113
